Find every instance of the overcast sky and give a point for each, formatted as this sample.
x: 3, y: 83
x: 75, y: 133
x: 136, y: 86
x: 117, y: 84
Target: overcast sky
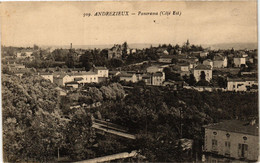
x: 62, y: 23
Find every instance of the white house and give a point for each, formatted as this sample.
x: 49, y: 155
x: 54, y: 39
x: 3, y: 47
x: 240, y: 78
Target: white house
x: 239, y: 61
x: 220, y: 61
x: 241, y: 84
x: 81, y: 78
x: 101, y: 71
x: 158, y: 78
x: 124, y: 76
x: 202, y: 69
x: 231, y: 141
x: 204, y: 54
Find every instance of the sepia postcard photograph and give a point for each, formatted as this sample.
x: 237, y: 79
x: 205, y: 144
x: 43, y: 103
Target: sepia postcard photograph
x: 114, y: 81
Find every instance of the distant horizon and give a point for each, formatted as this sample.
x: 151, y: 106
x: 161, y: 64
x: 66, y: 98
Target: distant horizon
x: 251, y: 45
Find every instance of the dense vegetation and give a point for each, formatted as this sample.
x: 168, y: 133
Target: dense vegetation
x: 35, y: 127
x: 161, y: 116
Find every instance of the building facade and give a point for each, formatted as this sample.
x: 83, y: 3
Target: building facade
x: 239, y: 61
x: 220, y: 62
x: 241, y: 84
x: 158, y: 78
x: 202, y: 70
x: 101, y: 71
x: 231, y: 140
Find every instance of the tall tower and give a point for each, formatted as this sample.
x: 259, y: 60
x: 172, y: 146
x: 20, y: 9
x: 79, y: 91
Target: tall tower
x: 188, y: 43
x: 70, y: 45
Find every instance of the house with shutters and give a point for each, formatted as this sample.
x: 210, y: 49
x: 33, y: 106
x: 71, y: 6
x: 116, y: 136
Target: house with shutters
x: 231, y: 141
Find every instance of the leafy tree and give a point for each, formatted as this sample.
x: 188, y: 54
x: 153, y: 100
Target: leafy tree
x: 202, y: 75
x: 116, y: 62
x: 32, y: 121
x: 80, y: 136
x: 192, y: 80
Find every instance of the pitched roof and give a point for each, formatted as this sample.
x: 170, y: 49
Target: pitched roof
x: 125, y: 75
x: 166, y: 56
x: 101, y: 68
x: 203, y: 67
x: 158, y: 74
x: 184, y: 64
x: 45, y: 73
x: 218, y: 58
x: 235, y: 126
x: 241, y: 79
x: 72, y: 82
x: 208, y: 60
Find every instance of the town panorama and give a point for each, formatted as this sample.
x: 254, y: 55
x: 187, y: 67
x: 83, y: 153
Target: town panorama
x: 164, y: 103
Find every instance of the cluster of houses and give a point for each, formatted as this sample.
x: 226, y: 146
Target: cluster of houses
x: 198, y: 63
x: 186, y: 65
x: 156, y: 78
x: 154, y: 75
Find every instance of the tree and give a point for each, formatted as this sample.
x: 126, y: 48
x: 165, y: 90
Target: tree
x: 222, y: 82
x: 192, y: 80
x: 86, y: 60
x: 116, y: 62
x: 80, y: 136
x: 70, y: 61
x: 35, y: 47
x: 27, y: 134
x: 202, y: 75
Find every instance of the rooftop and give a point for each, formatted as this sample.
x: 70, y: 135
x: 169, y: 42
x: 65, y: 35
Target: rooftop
x: 208, y: 60
x: 219, y: 58
x: 203, y: 67
x: 166, y: 56
x: 101, y: 68
x: 241, y: 79
x: 158, y: 74
x: 126, y: 75
x: 72, y: 82
x: 235, y: 126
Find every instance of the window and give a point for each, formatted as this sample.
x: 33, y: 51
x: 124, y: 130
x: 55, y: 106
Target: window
x: 214, y: 145
x: 227, y: 147
x: 214, y: 161
x: 242, y: 150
